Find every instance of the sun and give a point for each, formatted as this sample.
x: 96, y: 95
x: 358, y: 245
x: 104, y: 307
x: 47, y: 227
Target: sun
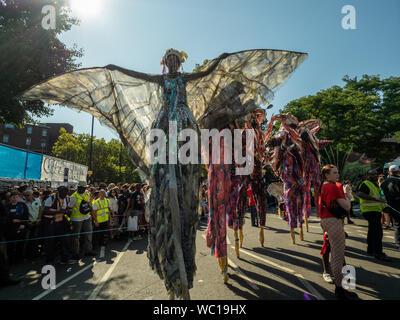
x: 86, y: 8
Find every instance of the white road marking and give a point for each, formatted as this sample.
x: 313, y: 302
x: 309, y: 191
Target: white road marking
x: 301, y: 278
x: 227, y: 240
x: 45, y: 293
x: 390, y: 237
x: 108, y: 273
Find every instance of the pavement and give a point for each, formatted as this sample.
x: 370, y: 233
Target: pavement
x: 278, y: 271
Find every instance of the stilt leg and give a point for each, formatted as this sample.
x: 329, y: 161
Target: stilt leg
x: 224, y: 268
x: 237, y: 244
x: 261, y: 237
x: 292, y: 235
x: 241, y: 237
x: 185, y: 293
x: 220, y: 265
x: 301, y: 233
x: 279, y: 209
x: 306, y: 221
x: 171, y: 295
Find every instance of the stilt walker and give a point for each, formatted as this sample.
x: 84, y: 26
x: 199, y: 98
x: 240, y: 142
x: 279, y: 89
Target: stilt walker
x: 135, y: 103
x: 219, y: 179
x: 287, y: 163
x: 258, y: 186
x: 311, y: 159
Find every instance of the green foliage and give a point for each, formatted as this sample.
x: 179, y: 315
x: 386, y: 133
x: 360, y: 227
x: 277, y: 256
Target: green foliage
x: 358, y: 115
x: 30, y: 54
x: 354, y: 172
x: 198, y: 67
x: 105, y: 159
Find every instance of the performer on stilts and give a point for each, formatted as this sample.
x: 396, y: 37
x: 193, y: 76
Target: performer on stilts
x: 287, y: 163
x: 311, y: 158
x: 135, y: 103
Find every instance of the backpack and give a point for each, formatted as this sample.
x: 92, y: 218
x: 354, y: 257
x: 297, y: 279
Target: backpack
x: 85, y: 208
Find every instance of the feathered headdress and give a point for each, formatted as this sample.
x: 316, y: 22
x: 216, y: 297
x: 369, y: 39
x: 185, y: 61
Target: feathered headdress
x: 182, y: 56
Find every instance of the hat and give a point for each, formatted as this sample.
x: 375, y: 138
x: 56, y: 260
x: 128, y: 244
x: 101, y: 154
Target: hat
x: 394, y: 168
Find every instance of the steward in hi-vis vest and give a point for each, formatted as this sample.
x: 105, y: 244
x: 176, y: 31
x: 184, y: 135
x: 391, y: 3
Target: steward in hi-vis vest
x: 374, y: 201
x: 371, y: 205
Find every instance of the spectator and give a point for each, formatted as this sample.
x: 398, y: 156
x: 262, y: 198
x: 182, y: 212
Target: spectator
x: 341, y: 187
x: 33, y: 204
x: 81, y: 223
x: 124, y: 203
x: 371, y: 204
x: 100, y: 214
x: 112, y: 196
x: 56, y: 226
x: 331, y: 193
x: 252, y: 207
x: 391, y: 189
x: 4, y: 265
x: 204, y: 202
x: 385, y: 220
x: 17, y: 218
x: 137, y: 207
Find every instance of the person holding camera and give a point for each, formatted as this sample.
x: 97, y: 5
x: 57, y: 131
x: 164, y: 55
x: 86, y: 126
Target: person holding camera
x: 334, y: 204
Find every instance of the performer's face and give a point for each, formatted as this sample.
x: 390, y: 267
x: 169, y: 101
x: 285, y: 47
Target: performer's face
x: 173, y: 63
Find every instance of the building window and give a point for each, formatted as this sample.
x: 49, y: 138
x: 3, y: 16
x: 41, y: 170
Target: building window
x: 9, y: 126
x: 28, y: 141
x: 5, y: 138
x: 44, y: 133
x: 29, y: 130
x: 43, y: 144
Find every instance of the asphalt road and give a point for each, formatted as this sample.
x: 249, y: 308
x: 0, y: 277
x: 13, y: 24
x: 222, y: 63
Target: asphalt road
x: 278, y: 271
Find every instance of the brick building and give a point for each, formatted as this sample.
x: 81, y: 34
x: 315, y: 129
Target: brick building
x: 37, y: 138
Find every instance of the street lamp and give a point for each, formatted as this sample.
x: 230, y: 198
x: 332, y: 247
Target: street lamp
x: 91, y: 151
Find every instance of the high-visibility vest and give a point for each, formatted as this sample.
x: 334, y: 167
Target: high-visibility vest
x: 102, y: 210
x: 371, y: 205
x: 76, y: 215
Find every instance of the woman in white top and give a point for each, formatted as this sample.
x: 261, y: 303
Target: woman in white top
x: 112, y: 196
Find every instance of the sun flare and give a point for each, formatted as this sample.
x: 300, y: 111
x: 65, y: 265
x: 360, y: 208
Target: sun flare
x: 86, y: 8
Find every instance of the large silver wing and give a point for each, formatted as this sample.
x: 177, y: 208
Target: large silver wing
x: 241, y: 83
x: 123, y: 103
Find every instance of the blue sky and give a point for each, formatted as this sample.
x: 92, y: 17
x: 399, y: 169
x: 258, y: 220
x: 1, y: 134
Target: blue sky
x: 135, y: 34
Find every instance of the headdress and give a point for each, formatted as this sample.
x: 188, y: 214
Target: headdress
x: 182, y: 56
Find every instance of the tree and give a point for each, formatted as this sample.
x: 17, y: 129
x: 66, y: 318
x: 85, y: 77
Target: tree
x: 30, y: 54
x: 106, y: 155
x: 358, y: 115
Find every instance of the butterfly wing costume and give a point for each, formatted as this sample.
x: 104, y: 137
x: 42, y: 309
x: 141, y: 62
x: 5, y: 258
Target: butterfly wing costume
x: 132, y: 106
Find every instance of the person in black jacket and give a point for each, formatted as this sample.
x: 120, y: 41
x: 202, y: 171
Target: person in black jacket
x: 4, y: 265
x: 17, y: 220
x: 391, y: 189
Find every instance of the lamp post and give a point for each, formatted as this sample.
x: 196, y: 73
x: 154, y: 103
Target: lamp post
x: 91, y: 151
x: 120, y: 161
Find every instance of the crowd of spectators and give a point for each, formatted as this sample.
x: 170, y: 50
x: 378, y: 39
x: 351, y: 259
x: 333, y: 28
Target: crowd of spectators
x: 38, y: 222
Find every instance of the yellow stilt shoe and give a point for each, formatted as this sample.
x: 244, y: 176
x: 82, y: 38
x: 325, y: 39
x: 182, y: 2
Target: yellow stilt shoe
x: 292, y: 235
x: 261, y: 237
x: 237, y: 244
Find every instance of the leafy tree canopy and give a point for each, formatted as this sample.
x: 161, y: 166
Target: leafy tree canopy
x: 30, y: 54
x: 106, y: 157
x: 359, y: 115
